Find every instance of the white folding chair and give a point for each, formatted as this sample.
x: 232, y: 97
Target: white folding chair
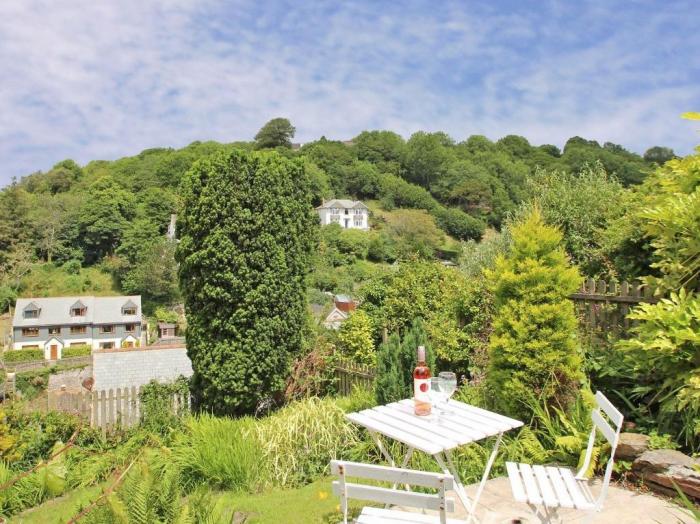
x: 392, y: 496
x: 554, y: 487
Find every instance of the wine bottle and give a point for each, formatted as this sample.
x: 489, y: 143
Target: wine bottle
x: 421, y: 385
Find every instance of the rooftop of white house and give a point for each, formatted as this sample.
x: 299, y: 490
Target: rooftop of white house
x: 30, y: 312
x: 342, y: 204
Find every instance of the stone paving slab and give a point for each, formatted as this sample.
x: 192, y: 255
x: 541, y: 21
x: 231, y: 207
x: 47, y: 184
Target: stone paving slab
x: 622, y: 506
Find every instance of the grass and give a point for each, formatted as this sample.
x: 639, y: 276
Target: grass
x: 60, y: 509
x: 311, y: 504
x: 47, y: 280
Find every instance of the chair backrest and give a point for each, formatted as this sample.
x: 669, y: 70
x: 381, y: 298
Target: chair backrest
x: 611, y: 434
x: 346, y: 490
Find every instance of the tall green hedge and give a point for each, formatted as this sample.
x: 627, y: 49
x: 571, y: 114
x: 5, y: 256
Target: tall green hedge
x: 533, y: 347
x: 246, y: 233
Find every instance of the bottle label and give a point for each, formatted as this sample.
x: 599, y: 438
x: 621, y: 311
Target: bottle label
x: 421, y: 389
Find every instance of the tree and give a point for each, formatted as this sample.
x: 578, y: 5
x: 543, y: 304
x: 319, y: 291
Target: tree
x: 533, y: 348
x: 153, y: 274
x: 246, y: 236
x: 278, y: 132
x: 659, y: 155
x: 385, y: 149
x: 415, y: 231
x: 355, y: 338
x: 427, y: 157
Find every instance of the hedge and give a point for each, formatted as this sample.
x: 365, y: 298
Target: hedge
x: 76, y: 351
x: 23, y: 355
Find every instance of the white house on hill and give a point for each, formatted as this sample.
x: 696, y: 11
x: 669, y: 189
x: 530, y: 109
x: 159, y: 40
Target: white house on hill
x: 349, y: 214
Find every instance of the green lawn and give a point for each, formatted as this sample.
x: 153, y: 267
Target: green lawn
x: 314, y: 503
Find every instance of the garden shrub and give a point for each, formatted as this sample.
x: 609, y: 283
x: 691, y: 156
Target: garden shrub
x: 355, y: 338
x: 219, y: 451
x: 76, y: 351
x: 23, y: 355
x: 459, y: 224
x: 662, y: 356
x: 246, y: 236
x: 533, y: 348
x: 396, y: 360
x: 158, y: 409
x: 300, y: 440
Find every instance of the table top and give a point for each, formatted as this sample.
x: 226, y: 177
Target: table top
x: 462, y: 425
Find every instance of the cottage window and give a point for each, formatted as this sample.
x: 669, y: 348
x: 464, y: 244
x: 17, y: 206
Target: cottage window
x: 335, y: 211
x: 30, y: 332
x: 55, y: 330
x: 77, y: 330
x: 30, y: 346
x: 129, y: 311
x: 31, y: 313
x: 358, y: 211
x: 358, y: 221
x: 130, y: 328
x: 335, y: 219
x: 106, y: 329
x: 106, y: 345
x: 78, y: 311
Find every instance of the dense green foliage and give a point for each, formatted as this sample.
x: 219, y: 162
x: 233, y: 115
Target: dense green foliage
x: 76, y: 351
x: 23, y: 355
x: 355, y: 338
x: 533, y: 348
x: 278, y: 132
x: 396, y: 360
x: 246, y: 235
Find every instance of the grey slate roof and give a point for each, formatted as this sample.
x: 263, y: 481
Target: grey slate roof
x: 56, y: 311
x: 341, y: 203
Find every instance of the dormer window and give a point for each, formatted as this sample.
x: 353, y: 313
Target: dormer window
x: 78, y: 309
x: 129, y: 309
x: 31, y: 311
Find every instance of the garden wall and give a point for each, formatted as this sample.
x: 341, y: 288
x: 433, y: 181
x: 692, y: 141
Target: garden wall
x: 124, y: 368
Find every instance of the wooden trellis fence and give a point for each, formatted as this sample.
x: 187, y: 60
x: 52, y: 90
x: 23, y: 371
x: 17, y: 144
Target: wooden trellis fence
x: 109, y: 409
x: 603, y: 306
x: 349, y: 375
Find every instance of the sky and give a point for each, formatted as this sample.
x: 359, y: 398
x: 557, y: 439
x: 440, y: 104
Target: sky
x: 104, y: 79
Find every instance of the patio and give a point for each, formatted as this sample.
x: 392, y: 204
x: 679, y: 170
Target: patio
x: 622, y: 506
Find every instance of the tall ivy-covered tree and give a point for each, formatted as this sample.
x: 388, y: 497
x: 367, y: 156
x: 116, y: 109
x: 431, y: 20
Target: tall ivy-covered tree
x: 533, y: 347
x: 246, y: 234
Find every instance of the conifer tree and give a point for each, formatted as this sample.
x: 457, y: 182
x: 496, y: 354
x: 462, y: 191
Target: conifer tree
x: 533, y: 347
x: 246, y: 235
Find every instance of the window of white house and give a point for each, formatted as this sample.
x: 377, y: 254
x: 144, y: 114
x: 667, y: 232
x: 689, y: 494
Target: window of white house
x: 30, y: 332
x: 358, y: 211
x: 129, y: 311
x: 357, y: 221
x: 106, y: 345
x: 335, y: 219
x: 31, y: 313
x: 78, y: 311
x: 335, y: 211
x: 130, y: 328
x: 55, y: 330
x: 77, y: 330
x: 77, y: 344
x: 30, y: 346
x: 106, y: 329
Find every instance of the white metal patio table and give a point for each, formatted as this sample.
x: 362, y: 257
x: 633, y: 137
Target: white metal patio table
x: 437, y: 436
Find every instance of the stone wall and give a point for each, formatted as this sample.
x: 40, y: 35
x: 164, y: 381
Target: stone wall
x: 135, y: 367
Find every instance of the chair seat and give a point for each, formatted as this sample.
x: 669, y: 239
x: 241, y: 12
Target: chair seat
x: 548, y: 486
x: 371, y: 515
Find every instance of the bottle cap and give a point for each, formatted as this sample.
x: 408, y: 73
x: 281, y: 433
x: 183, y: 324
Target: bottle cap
x: 421, y: 353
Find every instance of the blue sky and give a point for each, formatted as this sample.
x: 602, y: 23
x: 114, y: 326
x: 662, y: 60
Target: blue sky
x: 100, y: 80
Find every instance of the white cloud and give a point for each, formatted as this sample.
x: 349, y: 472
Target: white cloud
x: 92, y: 80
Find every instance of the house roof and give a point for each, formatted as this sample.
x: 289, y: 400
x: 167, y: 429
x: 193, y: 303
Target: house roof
x: 56, y: 311
x: 336, y: 314
x: 341, y: 203
x: 343, y: 298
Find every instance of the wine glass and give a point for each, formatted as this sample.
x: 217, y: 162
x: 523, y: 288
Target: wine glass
x: 436, y: 394
x: 448, y: 384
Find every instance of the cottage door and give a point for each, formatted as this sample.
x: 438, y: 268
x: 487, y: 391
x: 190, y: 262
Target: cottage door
x: 54, y: 352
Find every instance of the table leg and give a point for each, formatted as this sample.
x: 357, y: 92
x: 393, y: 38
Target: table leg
x: 489, y: 465
x: 382, y: 450
x: 458, y: 486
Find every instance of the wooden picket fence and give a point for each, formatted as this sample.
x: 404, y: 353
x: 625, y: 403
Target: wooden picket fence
x: 602, y: 307
x: 109, y: 409
x: 349, y: 375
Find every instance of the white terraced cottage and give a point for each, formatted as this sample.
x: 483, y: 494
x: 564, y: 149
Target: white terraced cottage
x: 349, y: 214
x: 52, y: 324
